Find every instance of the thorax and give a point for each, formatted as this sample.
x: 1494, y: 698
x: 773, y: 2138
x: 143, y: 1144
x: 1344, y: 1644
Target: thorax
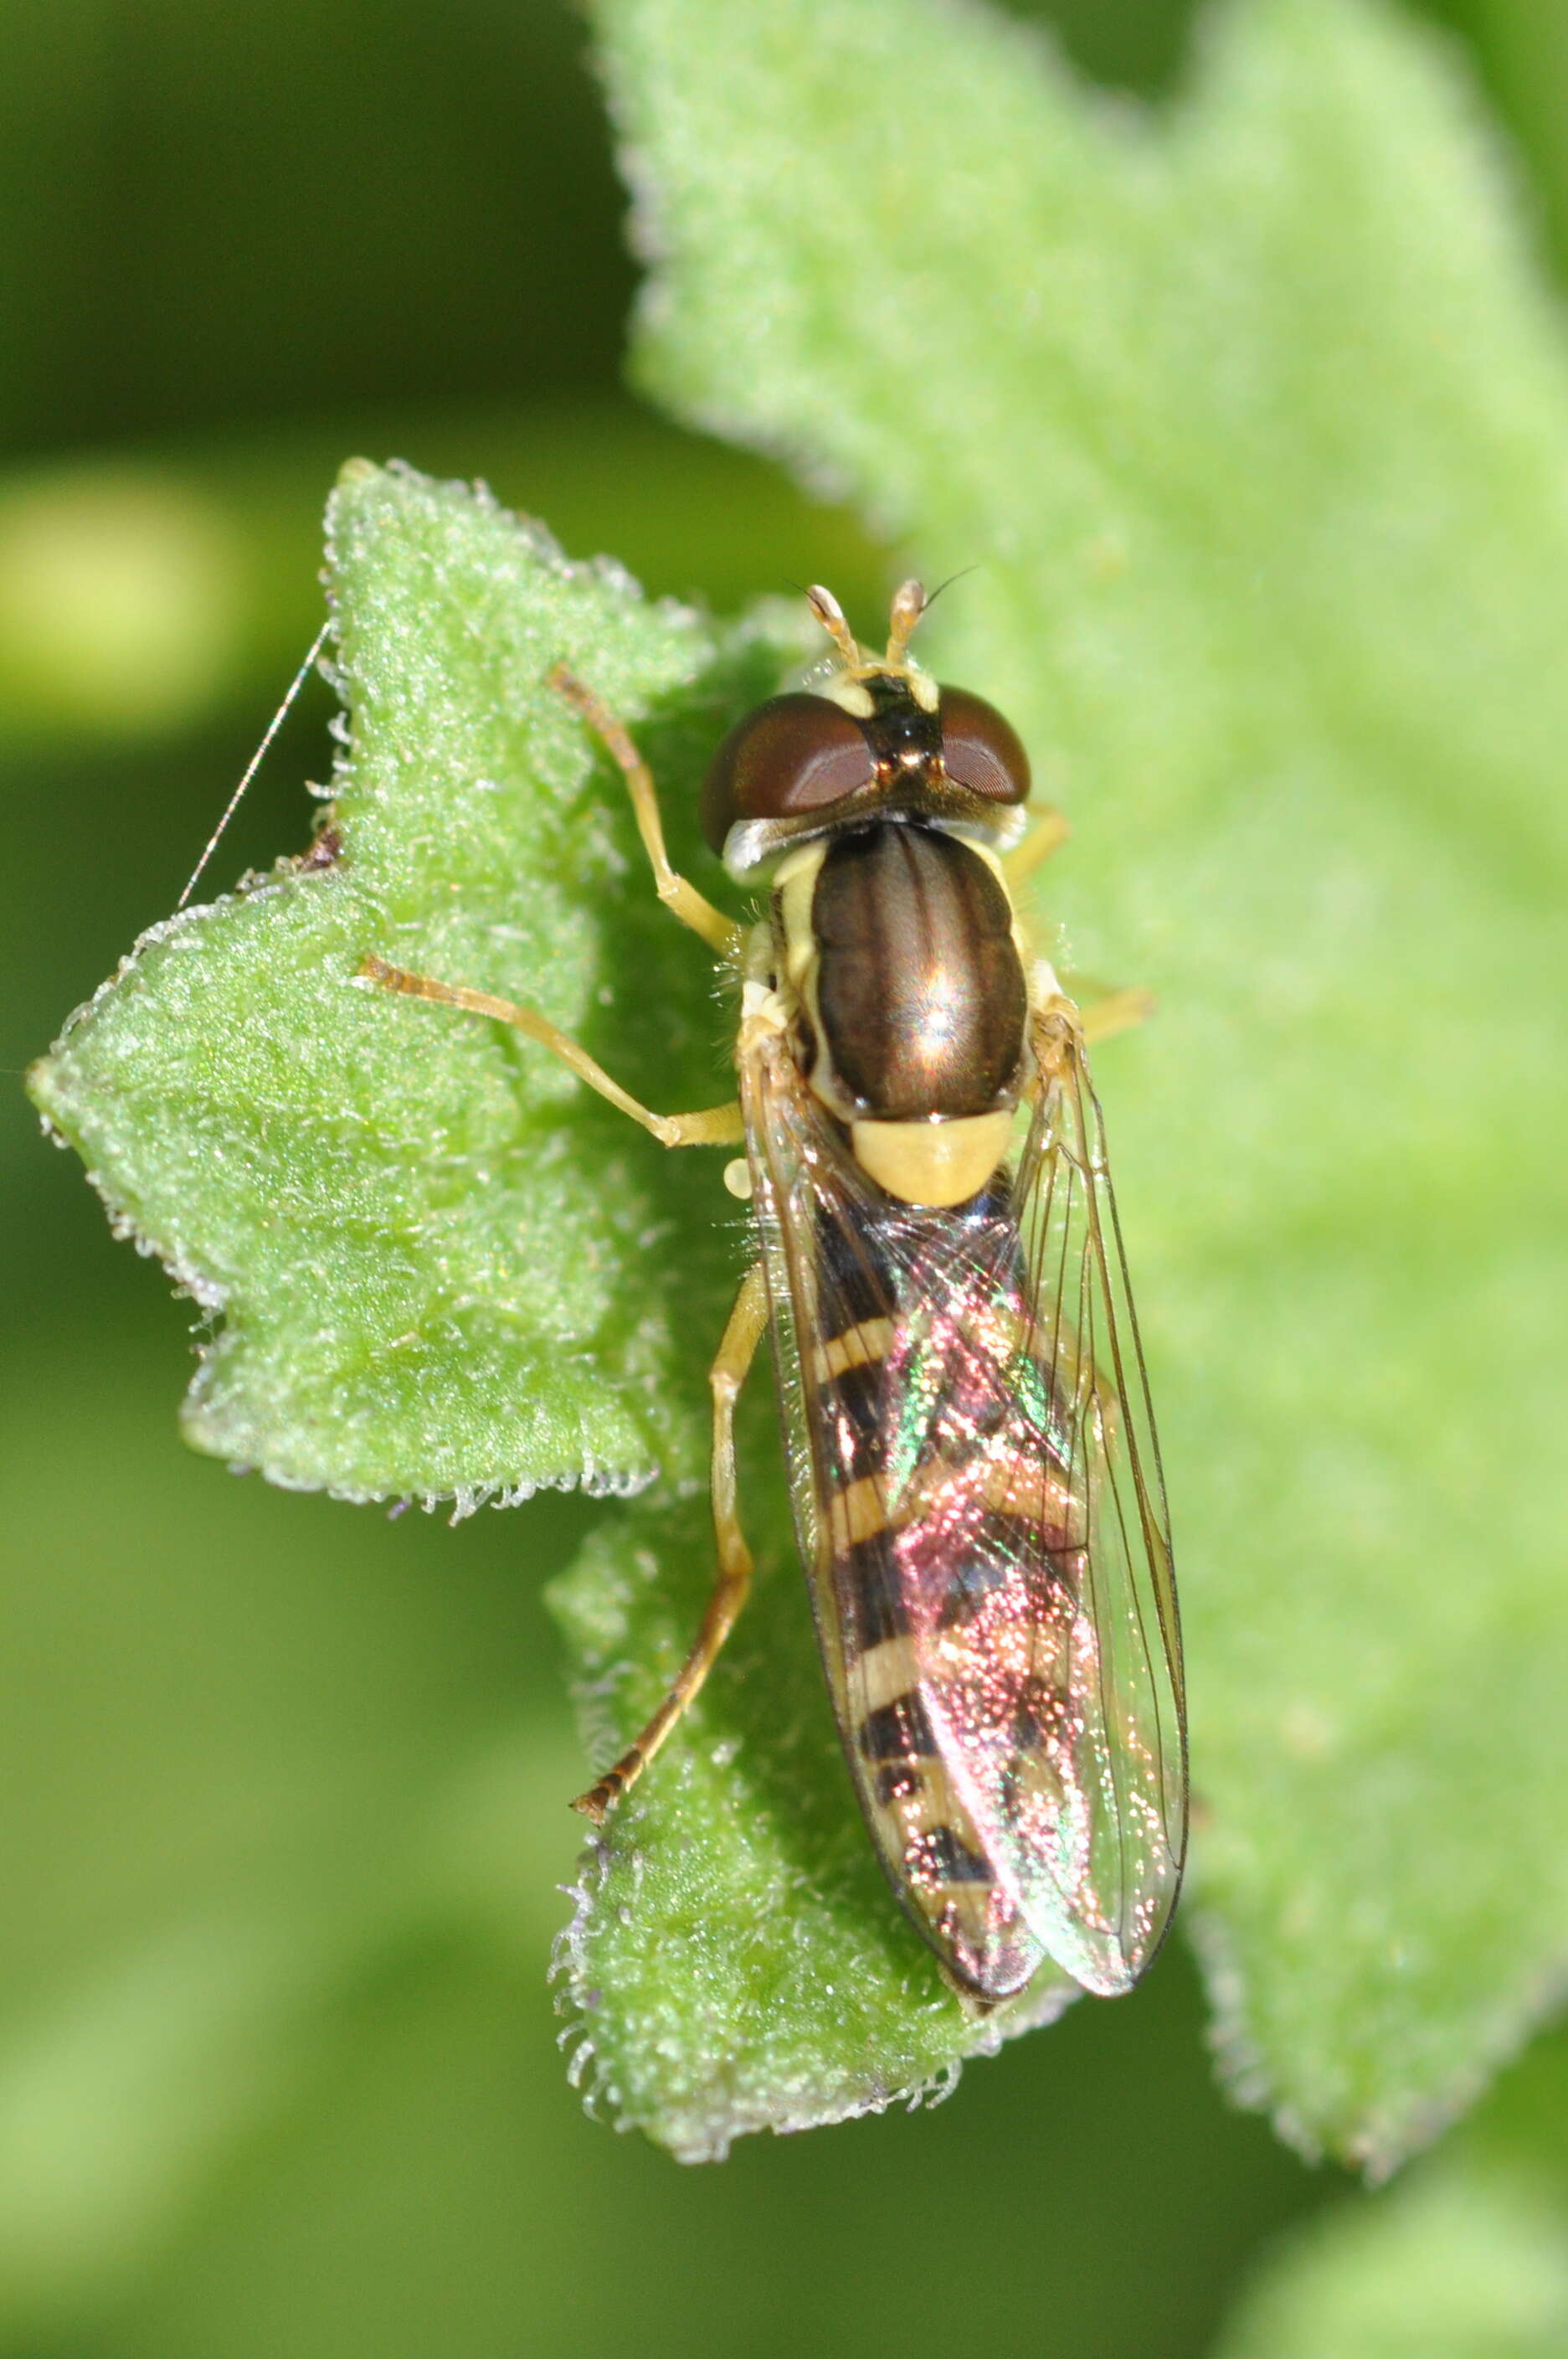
x: 898, y: 949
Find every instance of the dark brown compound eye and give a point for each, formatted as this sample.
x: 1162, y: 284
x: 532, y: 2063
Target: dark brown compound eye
x: 797, y: 752
x: 981, y: 750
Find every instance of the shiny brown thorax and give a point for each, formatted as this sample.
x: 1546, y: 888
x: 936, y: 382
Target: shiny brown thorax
x: 921, y: 999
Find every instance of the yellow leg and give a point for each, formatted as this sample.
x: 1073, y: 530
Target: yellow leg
x: 713, y: 1126
x: 1059, y: 1025
x: 1119, y: 1011
x: 719, y: 932
x: 1047, y: 835
x: 727, y: 1375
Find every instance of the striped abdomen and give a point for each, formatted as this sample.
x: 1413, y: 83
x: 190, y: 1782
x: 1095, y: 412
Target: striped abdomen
x: 951, y: 1545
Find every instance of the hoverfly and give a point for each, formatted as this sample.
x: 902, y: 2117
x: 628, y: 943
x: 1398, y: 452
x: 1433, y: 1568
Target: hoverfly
x: 977, y: 1484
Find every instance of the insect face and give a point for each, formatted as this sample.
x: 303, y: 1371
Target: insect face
x: 879, y: 739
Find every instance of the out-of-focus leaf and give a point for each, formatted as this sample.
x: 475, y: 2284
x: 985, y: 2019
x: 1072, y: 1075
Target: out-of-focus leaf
x: 1455, y: 2264
x: 1466, y: 2259
x: 1254, y: 419
x: 1524, y: 44
x: 140, y: 595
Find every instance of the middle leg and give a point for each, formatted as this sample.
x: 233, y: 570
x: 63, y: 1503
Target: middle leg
x: 1115, y: 1011
x: 712, y: 1126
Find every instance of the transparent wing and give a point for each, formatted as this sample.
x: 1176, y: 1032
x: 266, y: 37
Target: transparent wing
x: 977, y: 1495
x: 1129, y: 1740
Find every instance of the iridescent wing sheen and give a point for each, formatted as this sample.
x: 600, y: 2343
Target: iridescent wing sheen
x: 1130, y: 1727
x: 979, y: 1506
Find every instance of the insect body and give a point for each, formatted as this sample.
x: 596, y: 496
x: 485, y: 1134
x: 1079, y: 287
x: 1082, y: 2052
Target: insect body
x: 976, y: 1480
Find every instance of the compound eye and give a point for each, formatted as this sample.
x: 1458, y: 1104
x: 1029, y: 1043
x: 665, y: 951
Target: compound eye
x: 981, y: 750
x: 797, y: 752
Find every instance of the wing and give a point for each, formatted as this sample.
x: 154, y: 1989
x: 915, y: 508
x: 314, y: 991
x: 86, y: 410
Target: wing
x: 1130, y: 1709
x: 978, y: 1501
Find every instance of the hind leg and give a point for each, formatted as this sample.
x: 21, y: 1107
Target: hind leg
x: 736, y: 1353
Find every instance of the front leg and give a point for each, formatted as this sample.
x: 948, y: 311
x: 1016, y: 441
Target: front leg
x: 1047, y: 835
x: 719, y: 932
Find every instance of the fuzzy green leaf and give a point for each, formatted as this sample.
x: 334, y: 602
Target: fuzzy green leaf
x: 1255, y: 418
x: 385, y: 1201
x: 736, y: 1961
x: 445, y: 1270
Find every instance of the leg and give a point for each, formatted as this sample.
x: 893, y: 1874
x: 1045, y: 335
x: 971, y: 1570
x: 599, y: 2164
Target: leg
x: 1049, y: 833
x: 719, y: 932
x: 1059, y: 1025
x: 1117, y: 1011
x: 714, y: 1126
x: 727, y: 1375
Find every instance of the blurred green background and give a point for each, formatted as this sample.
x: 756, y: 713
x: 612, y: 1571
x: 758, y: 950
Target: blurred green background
x: 276, y: 2058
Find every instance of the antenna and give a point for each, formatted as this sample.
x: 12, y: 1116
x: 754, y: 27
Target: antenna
x: 908, y: 603
x: 273, y: 727
x: 830, y: 614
